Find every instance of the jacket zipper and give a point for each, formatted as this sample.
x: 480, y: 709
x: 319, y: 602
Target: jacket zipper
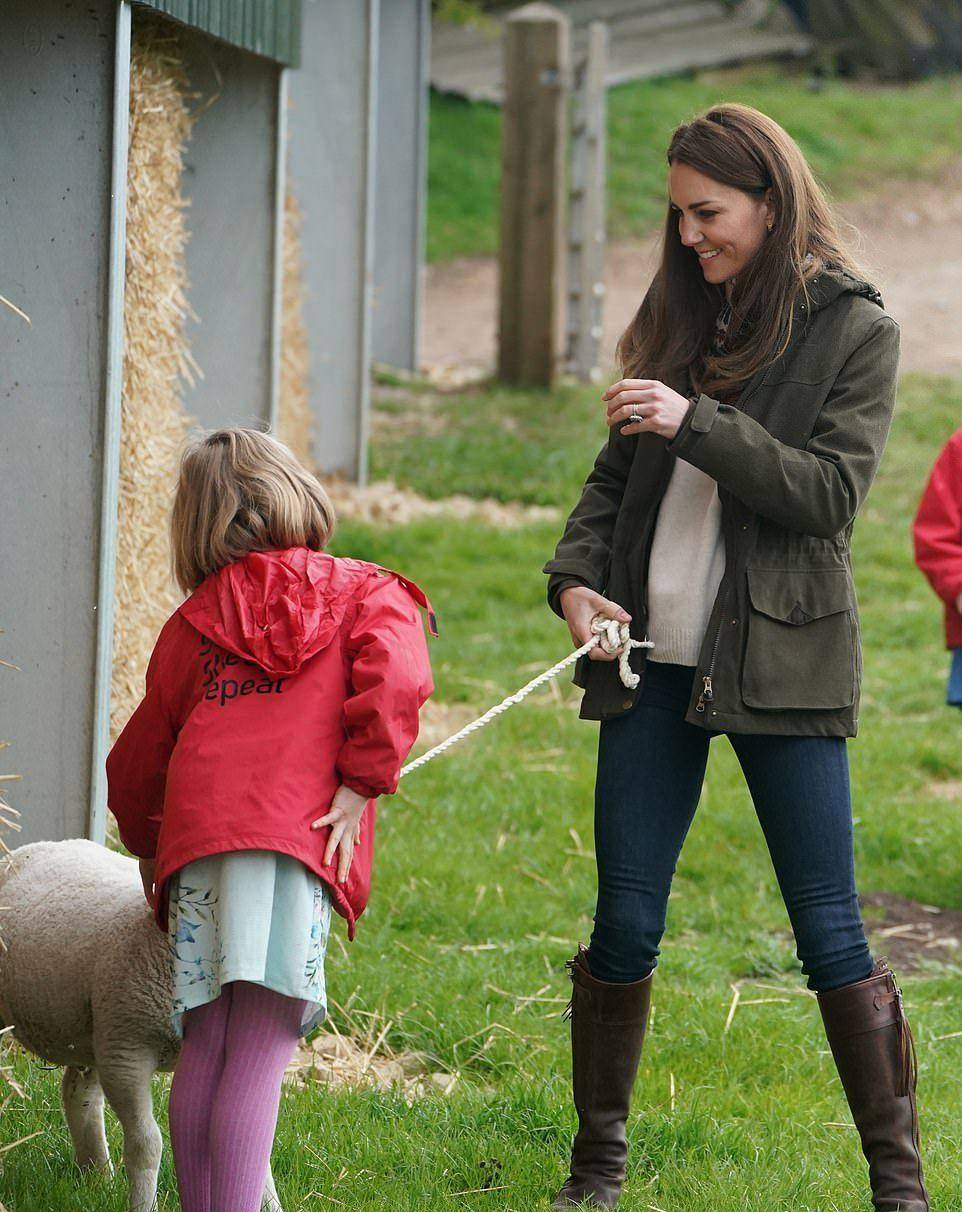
x: 707, y: 692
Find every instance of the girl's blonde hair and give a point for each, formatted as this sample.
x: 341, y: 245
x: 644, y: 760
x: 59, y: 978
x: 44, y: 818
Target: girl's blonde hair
x: 242, y: 490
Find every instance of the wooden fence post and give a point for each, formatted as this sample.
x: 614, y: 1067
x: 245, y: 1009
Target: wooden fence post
x: 533, y: 235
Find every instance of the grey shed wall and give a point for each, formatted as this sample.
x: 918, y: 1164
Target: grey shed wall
x: 56, y: 80
x: 402, y: 118
x: 59, y: 377
x: 333, y: 99
x: 230, y: 180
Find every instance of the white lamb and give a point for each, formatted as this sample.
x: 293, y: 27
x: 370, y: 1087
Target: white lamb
x: 85, y: 982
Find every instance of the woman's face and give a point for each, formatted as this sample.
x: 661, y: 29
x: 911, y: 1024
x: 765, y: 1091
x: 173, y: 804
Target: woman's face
x: 723, y: 226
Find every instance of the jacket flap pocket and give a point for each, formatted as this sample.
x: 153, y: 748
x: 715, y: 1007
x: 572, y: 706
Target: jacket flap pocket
x: 799, y: 595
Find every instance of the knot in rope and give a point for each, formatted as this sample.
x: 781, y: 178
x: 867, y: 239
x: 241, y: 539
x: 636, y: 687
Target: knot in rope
x: 613, y: 636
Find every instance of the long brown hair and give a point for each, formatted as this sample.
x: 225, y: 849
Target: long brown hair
x: 242, y: 490
x: 740, y: 147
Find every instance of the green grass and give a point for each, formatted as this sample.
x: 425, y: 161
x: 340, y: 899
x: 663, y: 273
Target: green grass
x: 510, y: 444
x: 852, y: 134
x: 484, y: 880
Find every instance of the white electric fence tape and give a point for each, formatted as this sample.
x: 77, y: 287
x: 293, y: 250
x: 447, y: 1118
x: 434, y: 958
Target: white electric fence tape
x: 609, y: 633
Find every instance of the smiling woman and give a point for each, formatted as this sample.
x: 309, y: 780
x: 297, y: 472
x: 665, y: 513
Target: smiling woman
x: 725, y: 228
x: 741, y: 197
x: 759, y: 385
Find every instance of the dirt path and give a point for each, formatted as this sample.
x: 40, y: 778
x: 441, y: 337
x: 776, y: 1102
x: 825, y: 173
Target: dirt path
x: 909, y: 240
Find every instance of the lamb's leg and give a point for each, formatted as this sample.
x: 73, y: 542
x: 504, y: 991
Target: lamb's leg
x: 270, y: 1202
x: 125, y: 1078
x: 83, y: 1106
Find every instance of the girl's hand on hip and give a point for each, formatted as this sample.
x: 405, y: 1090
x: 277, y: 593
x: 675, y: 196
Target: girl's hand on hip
x: 147, y: 868
x: 663, y: 409
x: 579, y: 605
x: 344, y: 818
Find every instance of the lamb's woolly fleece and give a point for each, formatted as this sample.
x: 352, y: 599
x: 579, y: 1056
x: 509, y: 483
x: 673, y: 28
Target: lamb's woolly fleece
x: 85, y: 971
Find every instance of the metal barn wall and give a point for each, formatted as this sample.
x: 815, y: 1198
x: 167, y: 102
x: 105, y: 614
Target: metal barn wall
x: 403, y: 71
x: 230, y: 182
x: 267, y: 27
x: 56, y: 81
x: 63, y: 128
x: 332, y: 120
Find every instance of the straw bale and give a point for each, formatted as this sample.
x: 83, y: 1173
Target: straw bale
x: 157, y: 361
x: 294, y: 412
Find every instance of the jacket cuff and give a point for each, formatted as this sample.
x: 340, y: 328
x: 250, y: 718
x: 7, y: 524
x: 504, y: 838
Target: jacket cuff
x: 556, y: 587
x: 562, y: 573
x: 369, y: 791
x: 138, y: 845
x: 699, y: 419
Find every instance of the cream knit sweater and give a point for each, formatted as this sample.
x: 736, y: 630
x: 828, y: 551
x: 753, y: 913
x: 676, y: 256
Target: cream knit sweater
x: 687, y: 559
x: 686, y: 566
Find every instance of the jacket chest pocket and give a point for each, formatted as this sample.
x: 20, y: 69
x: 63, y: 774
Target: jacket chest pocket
x: 801, y: 650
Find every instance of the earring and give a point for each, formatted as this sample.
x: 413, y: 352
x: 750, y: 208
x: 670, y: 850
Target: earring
x: 770, y: 224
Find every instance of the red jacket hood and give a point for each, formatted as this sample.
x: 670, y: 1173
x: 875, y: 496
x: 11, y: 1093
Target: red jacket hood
x: 276, y: 608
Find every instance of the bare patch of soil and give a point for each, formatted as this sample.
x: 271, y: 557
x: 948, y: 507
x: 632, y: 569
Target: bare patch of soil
x: 438, y: 721
x: 909, y: 933
x: 906, y: 237
x: 385, y: 504
x: 946, y: 789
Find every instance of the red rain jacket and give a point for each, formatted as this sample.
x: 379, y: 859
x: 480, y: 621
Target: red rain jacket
x: 282, y: 676
x: 938, y: 534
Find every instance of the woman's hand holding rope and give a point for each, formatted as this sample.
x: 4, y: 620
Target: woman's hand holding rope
x: 579, y: 604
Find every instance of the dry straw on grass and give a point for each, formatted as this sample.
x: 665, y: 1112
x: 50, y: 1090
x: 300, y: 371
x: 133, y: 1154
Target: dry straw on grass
x: 365, y: 1059
x: 157, y: 359
x: 383, y: 503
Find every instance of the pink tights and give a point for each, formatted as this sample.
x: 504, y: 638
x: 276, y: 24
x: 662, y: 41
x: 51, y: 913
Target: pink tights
x: 225, y: 1095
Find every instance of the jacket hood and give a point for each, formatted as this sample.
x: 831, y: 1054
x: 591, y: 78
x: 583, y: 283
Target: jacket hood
x: 831, y: 283
x: 276, y: 608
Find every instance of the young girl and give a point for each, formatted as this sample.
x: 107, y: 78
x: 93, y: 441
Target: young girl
x: 281, y: 699
x: 938, y: 550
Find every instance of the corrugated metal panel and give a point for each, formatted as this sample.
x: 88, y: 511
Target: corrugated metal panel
x: 266, y: 27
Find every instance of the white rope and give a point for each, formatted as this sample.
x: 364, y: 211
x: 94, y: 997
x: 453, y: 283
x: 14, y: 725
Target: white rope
x: 609, y: 633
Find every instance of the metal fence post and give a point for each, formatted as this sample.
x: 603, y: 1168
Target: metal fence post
x: 586, y: 241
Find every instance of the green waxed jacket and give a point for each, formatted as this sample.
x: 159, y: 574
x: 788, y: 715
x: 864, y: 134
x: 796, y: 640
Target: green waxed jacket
x: 793, y: 458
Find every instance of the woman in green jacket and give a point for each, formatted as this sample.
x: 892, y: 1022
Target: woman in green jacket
x: 759, y: 383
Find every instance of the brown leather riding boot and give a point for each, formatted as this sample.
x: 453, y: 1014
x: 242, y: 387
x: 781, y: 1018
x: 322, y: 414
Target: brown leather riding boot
x: 874, y: 1050
x: 608, y: 1024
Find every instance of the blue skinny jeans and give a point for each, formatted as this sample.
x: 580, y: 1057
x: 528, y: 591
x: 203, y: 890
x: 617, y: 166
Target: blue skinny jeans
x: 651, y: 765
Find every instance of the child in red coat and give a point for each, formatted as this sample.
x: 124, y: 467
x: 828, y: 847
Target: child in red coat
x: 938, y: 549
x: 281, y: 700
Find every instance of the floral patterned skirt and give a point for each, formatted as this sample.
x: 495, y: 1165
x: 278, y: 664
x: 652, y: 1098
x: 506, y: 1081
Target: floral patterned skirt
x: 248, y: 915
